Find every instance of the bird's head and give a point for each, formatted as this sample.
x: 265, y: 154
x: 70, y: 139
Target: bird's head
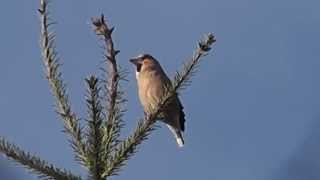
x: 145, y: 62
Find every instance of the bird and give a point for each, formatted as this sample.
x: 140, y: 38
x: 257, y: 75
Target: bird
x: 152, y: 83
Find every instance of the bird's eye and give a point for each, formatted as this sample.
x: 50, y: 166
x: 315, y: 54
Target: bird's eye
x: 139, y: 67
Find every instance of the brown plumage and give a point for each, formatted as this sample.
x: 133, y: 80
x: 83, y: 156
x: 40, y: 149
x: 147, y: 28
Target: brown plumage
x: 152, y: 81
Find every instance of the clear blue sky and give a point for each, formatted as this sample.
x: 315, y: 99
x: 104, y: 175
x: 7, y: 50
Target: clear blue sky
x: 252, y: 111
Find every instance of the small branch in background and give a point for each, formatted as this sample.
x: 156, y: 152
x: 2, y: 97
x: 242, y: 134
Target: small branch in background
x: 33, y: 163
x: 54, y: 76
x: 182, y: 79
x: 95, y: 134
x: 114, y: 122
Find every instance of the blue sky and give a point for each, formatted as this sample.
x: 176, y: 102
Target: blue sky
x: 252, y: 110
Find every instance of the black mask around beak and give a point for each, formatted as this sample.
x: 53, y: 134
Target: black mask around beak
x: 134, y: 61
x: 137, y: 62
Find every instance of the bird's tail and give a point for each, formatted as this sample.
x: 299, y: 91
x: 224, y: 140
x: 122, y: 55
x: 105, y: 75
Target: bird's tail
x: 177, y: 134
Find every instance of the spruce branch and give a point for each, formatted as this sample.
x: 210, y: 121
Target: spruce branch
x: 182, y: 79
x: 128, y: 147
x: 95, y: 133
x: 33, y: 163
x: 58, y: 87
x: 102, y: 29
x: 114, y: 123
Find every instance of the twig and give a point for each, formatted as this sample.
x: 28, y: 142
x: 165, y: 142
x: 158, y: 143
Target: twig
x: 102, y: 29
x: 71, y: 123
x: 114, y: 113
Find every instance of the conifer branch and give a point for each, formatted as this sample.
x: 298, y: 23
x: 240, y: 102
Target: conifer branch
x: 33, y: 163
x: 114, y: 122
x: 95, y: 134
x: 182, y: 79
x: 54, y: 76
x: 128, y: 147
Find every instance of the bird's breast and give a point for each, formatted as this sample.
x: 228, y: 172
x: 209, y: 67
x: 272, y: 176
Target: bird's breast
x: 150, y: 88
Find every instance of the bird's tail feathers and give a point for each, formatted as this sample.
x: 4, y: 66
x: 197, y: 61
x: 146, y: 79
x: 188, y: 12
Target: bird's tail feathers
x: 177, y: 134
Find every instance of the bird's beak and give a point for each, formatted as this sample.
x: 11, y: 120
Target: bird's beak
x: 134, y: 61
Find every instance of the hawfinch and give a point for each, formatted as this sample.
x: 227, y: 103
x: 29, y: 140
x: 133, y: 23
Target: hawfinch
x: 152, y: 82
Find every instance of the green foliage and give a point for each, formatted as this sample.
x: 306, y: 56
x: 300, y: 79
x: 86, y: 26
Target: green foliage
x: 99, y: 148
x: 95, y: 152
